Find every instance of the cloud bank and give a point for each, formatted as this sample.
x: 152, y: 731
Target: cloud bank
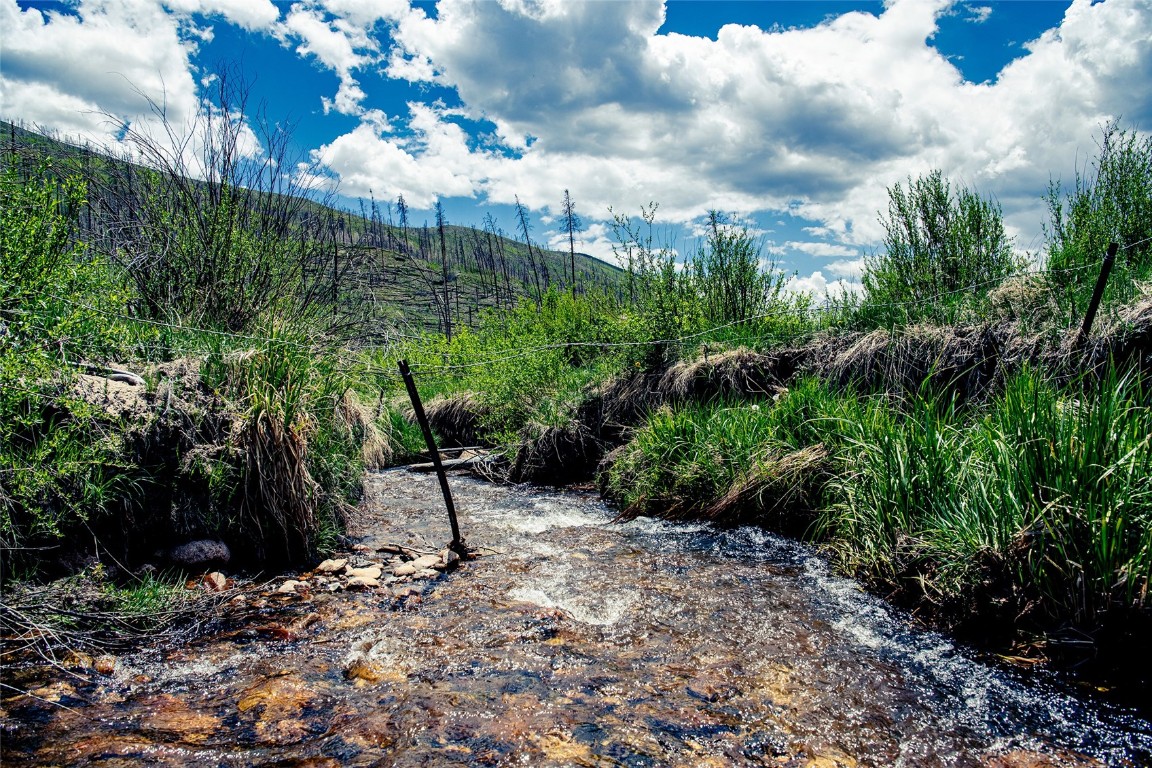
x: 813, y: 123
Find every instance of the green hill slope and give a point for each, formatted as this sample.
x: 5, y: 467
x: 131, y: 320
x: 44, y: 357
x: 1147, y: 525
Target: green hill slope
x: 378, y: 277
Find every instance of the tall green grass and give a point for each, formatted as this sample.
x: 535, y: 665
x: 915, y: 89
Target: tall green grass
x: 1049, y: 490
x: 1037, y: 501
x: 682, y: 460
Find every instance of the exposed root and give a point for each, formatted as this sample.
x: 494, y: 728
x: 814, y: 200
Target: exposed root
x: 560, y: 455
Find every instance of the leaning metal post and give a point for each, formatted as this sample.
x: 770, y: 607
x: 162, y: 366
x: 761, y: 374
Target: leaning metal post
x: 457, y: 544
x: 1097, y: 293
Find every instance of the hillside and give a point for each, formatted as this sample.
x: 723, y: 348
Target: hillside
x: 386, y: 277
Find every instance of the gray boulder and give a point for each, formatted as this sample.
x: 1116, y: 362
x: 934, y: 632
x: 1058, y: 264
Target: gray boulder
x: 202, y: 553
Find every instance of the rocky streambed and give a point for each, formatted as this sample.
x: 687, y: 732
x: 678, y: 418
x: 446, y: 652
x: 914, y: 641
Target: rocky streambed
x: 571, y: 641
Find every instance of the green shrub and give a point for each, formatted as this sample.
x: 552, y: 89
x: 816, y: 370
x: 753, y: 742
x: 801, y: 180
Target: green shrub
x: 944, y: 249
x: 1112, y: 202
x: 59, y: 464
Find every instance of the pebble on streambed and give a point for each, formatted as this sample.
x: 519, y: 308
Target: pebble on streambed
x: 336, y: 574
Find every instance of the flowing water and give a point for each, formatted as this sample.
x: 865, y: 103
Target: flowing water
x: 573, y: 641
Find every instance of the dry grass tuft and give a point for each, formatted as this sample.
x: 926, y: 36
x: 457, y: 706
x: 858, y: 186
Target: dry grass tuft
x: 780, y: 492
x: 279, y: 489
x: 457, y: 420
x: 1028, y: 297
x: 375, y: 449
x: 736, y: 373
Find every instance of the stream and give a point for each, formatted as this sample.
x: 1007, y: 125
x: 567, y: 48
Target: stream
x: 572, y: 641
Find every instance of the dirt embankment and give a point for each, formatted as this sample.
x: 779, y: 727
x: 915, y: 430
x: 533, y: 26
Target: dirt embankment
x: 970, y: 361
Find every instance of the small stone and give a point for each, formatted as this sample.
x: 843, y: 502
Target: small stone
x: 215, y: 581
x: 289, y: 587
x: 450, y: 559
x: 332, y: 566
x: 361, y: 582
x: 363, y: 669
x: 403, y: 592
x: 427, y: 573
x: 335, y: 586
x: 361, y: 548
x: 105, y: 664
x: 371, y: 572
x: 426, y: 561
x: 407, y: 569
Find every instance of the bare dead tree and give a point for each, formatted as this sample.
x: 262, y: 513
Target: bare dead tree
x: 447, y: 318
x: 571, y: 224
x: 522, y: 218
x: 211, y: 229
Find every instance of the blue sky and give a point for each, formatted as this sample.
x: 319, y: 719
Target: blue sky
x: 791, y: 116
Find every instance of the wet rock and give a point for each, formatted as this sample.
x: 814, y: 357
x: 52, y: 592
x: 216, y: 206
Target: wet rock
x: 361, y: 582
x: 407, y: 569
x: 290, y: 587
x: 427, y: 573
x: 405, y: 592
x: 361, y: 669
x: 105, y: 664
x: 449, y: 559
x: 215, y: 581
x: 332, y: 566
x: 302, y: 623
x: 202, y: 553
x: 173, y: 718
x: 371, y: 572
x: 427, y: 561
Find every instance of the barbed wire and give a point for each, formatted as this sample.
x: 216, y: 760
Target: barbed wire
x: 427, y: 369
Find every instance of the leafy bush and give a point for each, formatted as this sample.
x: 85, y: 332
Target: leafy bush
x: 58, y: 465
x: 1110, y: 203
x: 944, y: 249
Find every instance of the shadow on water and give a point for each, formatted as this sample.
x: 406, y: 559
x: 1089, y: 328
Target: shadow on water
x: 573, y: 641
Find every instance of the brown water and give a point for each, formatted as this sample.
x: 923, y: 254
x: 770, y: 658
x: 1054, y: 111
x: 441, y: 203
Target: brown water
x: 572, y: 642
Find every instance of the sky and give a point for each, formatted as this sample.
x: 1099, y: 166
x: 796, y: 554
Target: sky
x: 791, y: 117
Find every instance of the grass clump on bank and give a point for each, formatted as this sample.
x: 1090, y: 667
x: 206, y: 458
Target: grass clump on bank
x: 1043, y: 498
x: 125, y: 437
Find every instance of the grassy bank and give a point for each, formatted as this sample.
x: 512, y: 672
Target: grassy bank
x: 123, y: 435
